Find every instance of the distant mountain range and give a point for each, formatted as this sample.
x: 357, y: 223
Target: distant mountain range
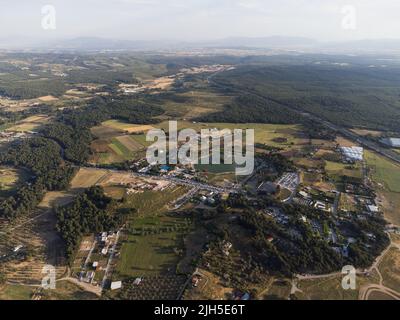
x: 273, y: 43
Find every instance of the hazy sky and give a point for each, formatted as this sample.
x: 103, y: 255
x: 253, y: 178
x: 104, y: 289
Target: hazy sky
x: 201, y: 19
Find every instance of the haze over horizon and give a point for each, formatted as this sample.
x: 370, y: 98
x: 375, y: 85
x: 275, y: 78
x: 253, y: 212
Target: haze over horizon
x: 200, y: 20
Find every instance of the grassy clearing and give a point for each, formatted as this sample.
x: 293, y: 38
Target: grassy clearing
x: 120, y: 149
x: 198, y: 103
x: 387, y: 175
x: 10, y: 180
x: 391, y: 206
x: 279, y: 290
x: 384, y: 171
x: 341, y: 169
x: 390, y: 269
x: 103, y: 132
x: 115, y: 192
x: 127, y: 127
x: 154, y: 202
x: 68, y: 291
x: 308, y: 163
x: 329, y: 289
x: 29, y: 124
x: 130, y: 143
x: 216, y: 168
x: 87, y: 177
x: 16, y: 292
x: 263, y: 133
x: 310, y: 178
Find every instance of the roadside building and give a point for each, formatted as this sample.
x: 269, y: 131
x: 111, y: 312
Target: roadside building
x: 391, y: 142
x: 116, y: 285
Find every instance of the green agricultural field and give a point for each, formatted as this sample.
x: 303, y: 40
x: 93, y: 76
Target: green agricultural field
x: 117, y: 149
x: 389, y: 268
x: 154, y: 246
x: 120, y: 149
x: 151, y: 236
x: 384, y: 171
x: 340, y: 169
x: 141, y: 138
x: 216, y: 168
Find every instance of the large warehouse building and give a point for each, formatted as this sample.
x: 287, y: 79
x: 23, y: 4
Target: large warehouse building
x: 392, y: 142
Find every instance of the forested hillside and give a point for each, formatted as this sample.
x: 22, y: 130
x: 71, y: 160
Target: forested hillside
x: 346, y: 95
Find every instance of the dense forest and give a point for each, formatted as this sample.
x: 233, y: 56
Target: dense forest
x: 345, y: 95
x: 90, y: 212
x: 251, y: 109
x: 49, y: 172
x: 22, y: 88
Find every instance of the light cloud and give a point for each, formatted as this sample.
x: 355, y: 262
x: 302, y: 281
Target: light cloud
x: 201, y: 19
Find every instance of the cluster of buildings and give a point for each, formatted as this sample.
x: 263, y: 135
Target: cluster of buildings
x: 316, y: 199
x: 178, y: 171
x: 277, y: 214
x: 140, y: 187
x: 209, y: 198
x: 226, y: 247
x: 105, y: 240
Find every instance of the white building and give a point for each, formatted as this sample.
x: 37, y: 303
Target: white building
x: 353, y: 153
x: 116, y: 285
x: 392, y: 142
x: 373, y: 209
